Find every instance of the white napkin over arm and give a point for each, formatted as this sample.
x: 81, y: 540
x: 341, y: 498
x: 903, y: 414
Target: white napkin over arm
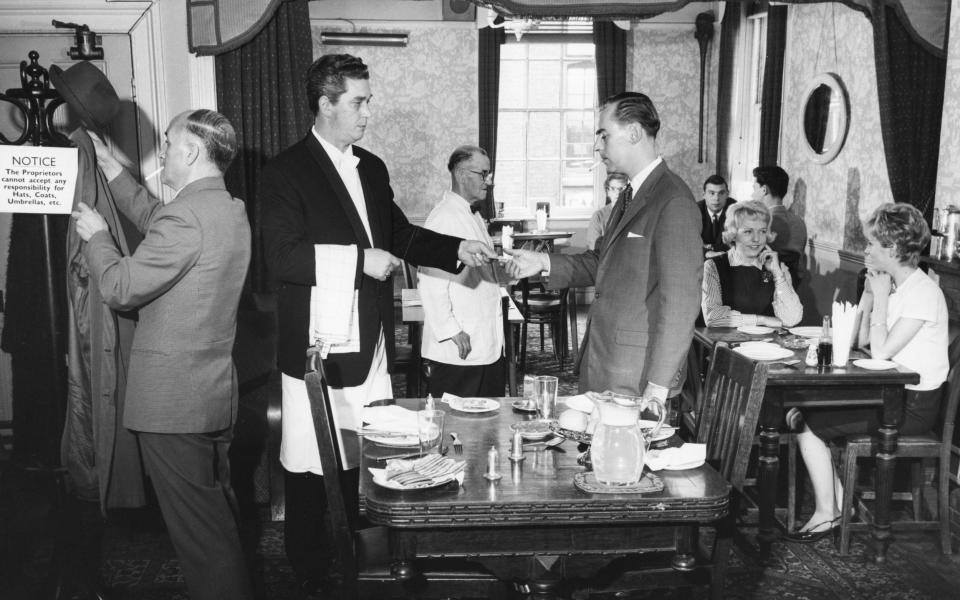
x: 334, y: 321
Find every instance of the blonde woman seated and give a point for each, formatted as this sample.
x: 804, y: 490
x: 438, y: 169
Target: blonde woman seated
x: 904, y: 319
x: 747, y: 285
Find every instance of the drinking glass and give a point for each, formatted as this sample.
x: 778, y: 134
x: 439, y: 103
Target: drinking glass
x: 545, y: 391
x: 529, y: 393
x: 430, y: 430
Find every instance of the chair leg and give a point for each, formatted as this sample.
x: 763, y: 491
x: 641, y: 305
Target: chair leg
x: 791, y: 482
x: 916, y: 480
x: 943, y: 505
x: 523, y: 346
x: 849, y: 485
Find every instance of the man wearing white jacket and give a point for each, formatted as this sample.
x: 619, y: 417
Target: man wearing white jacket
x: 462, y: 331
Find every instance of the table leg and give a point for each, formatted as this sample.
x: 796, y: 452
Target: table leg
x: 771, y: 415
x: 886, y: 456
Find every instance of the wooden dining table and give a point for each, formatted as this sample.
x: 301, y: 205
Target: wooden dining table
x: 533, y: 526
x: 802, y: 386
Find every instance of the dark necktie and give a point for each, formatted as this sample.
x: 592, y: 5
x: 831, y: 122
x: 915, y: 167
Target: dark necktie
x: 626, y: 195
x: 716, y: 227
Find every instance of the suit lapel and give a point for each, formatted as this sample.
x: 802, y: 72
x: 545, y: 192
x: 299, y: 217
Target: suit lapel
x: 373, y: 215
x: 340, y: 190
x: 636, y: 205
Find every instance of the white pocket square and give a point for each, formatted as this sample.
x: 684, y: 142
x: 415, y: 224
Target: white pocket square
x: 631, y: 234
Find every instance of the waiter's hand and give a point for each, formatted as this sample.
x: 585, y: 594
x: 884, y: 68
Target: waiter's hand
x: 88, y: 221
x: 524, y: 263
x: 462, y: 340
x: 378, y: 263
x: 107, y: 162
x: 474, y: 253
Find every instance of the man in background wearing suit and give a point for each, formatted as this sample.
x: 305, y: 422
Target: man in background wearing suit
x: 185, y: 279
x: 713, y: 210
x: 647, y: 268
x: 329, y: 223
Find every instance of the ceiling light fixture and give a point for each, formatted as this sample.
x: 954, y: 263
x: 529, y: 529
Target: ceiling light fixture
x: 363, y: 38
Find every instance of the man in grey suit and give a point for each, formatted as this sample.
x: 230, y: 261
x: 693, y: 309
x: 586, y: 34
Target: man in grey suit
x: 646, y: 268
x: 185, y: 279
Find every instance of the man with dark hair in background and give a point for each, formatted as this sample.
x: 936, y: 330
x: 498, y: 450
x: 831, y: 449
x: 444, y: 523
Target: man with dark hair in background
x: 713, y: 211
x: 333, y: 236
x: 770, y: 187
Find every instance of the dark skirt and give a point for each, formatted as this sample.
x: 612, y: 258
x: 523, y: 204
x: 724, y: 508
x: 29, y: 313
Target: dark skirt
x: 919, y: 416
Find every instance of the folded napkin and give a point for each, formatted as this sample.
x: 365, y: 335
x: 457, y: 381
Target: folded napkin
x: 686, y: 456
x: 334, y: 323
x: 392, y: 418
x: 844, y: 319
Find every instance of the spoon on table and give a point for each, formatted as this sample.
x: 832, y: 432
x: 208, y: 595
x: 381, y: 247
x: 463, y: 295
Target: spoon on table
x: 552, y: 443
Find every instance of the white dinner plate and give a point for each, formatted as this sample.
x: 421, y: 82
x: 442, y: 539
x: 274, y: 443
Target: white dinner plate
x: 395, y: 441
x: 874, y: 364
x: 580, y: 402
x: 473, y: 405
x: 380, y: 478
x: 684, y: 466
x: 763, y: 351
x: 811, y: 331
x: 755, y: 329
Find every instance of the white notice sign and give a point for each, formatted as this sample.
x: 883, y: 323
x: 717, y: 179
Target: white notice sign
x: 37, y: 179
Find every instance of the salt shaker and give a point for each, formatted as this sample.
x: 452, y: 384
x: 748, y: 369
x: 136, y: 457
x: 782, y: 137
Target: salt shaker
x: 811, y: 358
x: 428, y: 403
x: 516, y: 450
x: 493, y: 464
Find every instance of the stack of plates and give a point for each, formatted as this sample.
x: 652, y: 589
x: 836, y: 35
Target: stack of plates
x: 763, y: 351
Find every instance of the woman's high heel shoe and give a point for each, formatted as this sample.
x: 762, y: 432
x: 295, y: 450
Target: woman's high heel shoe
x: 807, y: 537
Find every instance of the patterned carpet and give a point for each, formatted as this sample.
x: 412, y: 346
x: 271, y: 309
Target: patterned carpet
x: 140, y: 564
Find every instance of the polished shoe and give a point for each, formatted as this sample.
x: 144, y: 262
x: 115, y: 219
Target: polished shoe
x: 807, y: 537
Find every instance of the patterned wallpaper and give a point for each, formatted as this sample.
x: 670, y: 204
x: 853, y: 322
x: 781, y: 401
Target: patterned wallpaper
x: 833, y: 198
x: 424, y: 105
x: 948, y: 175
x: 665, y: 64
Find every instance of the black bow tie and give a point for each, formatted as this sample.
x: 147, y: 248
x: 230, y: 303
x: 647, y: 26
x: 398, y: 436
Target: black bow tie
x: 474, y: 208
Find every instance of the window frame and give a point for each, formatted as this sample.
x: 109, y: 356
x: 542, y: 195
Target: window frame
x: 527, y: 210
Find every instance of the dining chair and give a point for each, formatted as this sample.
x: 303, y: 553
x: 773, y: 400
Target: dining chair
x: 364, y: 552
x: 692, y: 397
x: 935, y: 445
x: 730, y: 412
x: 407, y: 359
x: 543, y: 307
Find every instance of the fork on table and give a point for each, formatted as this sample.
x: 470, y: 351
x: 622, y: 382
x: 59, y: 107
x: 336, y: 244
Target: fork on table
x: 457, y: 444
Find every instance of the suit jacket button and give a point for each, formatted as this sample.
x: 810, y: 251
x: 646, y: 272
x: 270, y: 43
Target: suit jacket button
x: 596, y: 295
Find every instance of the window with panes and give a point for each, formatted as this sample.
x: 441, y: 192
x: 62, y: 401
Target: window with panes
x: 545, y: 129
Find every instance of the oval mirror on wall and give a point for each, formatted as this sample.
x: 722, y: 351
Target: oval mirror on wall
x: 824, y: 117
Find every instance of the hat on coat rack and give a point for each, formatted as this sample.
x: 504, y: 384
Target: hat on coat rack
x: 89, y: 94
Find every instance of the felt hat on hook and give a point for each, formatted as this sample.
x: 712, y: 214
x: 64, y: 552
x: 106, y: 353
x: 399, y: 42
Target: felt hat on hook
x: 89, y: 93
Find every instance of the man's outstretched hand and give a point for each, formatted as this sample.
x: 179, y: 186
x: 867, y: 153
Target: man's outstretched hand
x: 524, y: 263
x: 474, y: 253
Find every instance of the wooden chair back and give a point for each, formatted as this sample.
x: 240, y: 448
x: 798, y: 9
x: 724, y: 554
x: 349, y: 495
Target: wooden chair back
x: 730, y: 410
x: 331, y: 461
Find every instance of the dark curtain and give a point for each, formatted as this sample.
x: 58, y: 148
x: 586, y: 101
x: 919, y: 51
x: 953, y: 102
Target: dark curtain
x: 260, y: 89
x: 771, y: 101
x: 910, y: 82
x: 729, y: 30
x: 488, y: 93
x: 611, y: 56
